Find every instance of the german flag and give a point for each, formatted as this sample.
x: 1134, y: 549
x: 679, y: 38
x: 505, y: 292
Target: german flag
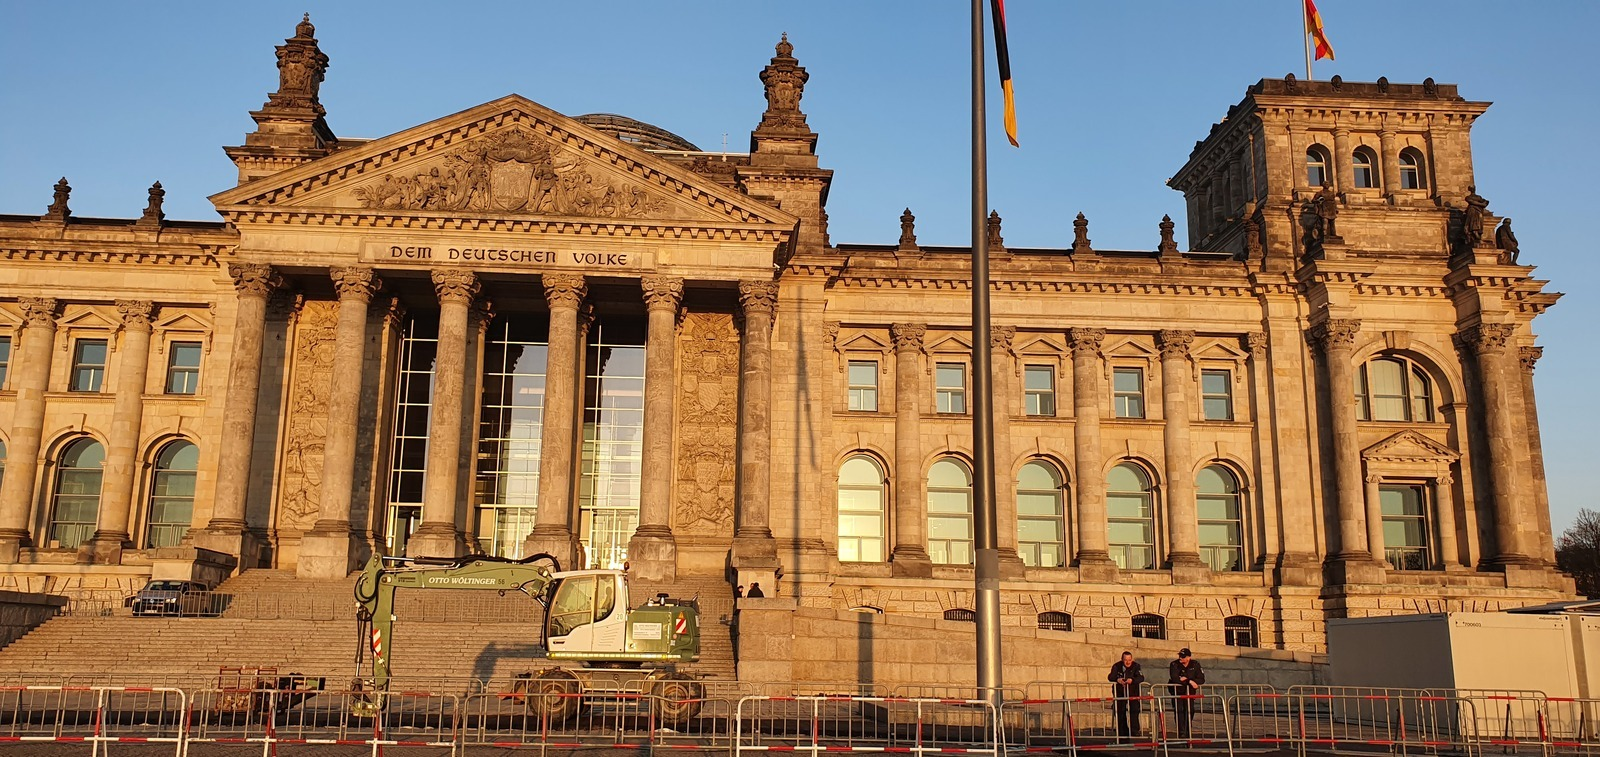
x: 998, y: 9
x: 1314, y: 28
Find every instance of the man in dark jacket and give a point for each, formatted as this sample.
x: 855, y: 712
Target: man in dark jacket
x: 1185, y: 678
x: 1125, y: 679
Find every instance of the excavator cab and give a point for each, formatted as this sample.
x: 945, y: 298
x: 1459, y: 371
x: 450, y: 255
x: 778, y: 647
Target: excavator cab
x: 588, y: 611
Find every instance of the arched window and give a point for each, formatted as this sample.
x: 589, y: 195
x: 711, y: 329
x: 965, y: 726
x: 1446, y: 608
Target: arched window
x: 1221, y: 519
x: 1240, y: 631
x: 1130, y: 516
x: 1365, y: 167
x: 77, y: 501
x: 963, y: 615
x: 950, y: 513
x: 1411, y: 173
x: 1055, y: 621
x: 1316, y: 166
x: 861, y: 500
x: 172, y: 494
x: 1149, y: 626
x: 1393, y: 388
x: 1041, y: 521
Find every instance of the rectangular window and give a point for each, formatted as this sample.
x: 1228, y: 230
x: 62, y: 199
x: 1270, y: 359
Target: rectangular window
x: 1216, y: 395
x: 183, y: 368
x: 1039, y: 390
x: 1127, y: 387
x: 5, y: 358
x: 88, y: 365
x: 863, y: 377
x: 950, y: 387
x: 1405, y: 526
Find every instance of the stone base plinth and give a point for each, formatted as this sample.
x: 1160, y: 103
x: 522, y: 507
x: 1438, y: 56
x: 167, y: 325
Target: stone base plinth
x: 1011, y: 566
x: 755, y: 560
x: 653, y: 557
x: 1097, y: 567
x: 330, y: 554
x: 441, y: 543
x: 239, y: 544
x: 104, y: 549
x: 557, y: 543
x: 910, y: 562
x: 1353, y: 570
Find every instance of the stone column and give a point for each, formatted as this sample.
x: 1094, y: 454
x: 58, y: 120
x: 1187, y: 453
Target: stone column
x: 1528, y: 356
x: 910, y: 555
x: 755, y: 553
x: 1391, y: 163
x: 1335, y: 338
x: 1344, y: 170
x: 558, y: 436
x: 122, y: 444
x: 439, y: 534
x: 32, y: 366
x: 330, y: 549
x: 652, y: 552
x: 1005, y: 485
x: 1444, y: 507
x: 226, y: 532
x: 1182, y: 516
x: 1374, y: 519
x: 1487, y: 342
x: 1094, y: 559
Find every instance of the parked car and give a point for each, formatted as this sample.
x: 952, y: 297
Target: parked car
x: 176, y: 597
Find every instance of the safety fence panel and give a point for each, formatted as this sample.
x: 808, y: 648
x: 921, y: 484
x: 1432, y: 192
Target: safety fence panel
x: 1406, y: 723
x: 1191, y: 720
x: 1504, y: 719
x: 1083, y: 723
x: 95, y: 715
x: 1262, y: 720
x: 1572, y: 725
x: 273, y: 722
x: 910, y: 725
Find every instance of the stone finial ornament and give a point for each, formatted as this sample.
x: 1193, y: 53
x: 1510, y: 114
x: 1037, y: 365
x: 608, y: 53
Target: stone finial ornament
x: 1168, y: 246
x: 152, y: 210
x: 908, y: 230
x: 1080, y: 236
x: 58, y: 210
x: 301, y: 66
x: 785, y: 82
x: 996, y: 242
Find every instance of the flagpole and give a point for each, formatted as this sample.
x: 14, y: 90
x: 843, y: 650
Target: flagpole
x: 1305, y: 35
x: 986, y: 577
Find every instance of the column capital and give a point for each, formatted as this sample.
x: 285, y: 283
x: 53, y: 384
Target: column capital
x: 355, y: 282
x: 1085, y: 341
x: 1001, y: 338
x: 1256, y: 343
x: 1374, y: 478
x: 662, y: 292
x: 1335, y: 334
x: 480, y: 315
x: 1528, y: 356
x: 564, y: 290
x: 1444, y: 479
x: 38, y: 311
x: 254, y: 279
x: 907, y: 336
x: 454, y: 285
x: 1486, y: 338
x: 1174, y: 343
x: 136, y: 314
x: 758, y: 297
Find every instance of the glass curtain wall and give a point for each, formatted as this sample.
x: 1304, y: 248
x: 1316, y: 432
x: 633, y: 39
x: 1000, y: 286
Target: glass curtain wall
x: 510, y: 418
x: 408, y: 454
x: 613, y: 435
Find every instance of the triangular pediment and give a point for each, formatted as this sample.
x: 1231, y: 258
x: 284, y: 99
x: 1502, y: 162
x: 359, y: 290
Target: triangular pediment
x: 181, y: 321
x: 864, y: 342
x: 951, y: 343
x: 507, y: 158
x: 1410, y: 446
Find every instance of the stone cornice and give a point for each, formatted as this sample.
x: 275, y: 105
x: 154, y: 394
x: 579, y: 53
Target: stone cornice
x: 204, y: 255
x: 448, y: 222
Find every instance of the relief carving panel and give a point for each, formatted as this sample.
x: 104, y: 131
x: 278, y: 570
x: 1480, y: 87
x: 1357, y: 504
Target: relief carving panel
x: 708, y: 396
x: 306, y: 424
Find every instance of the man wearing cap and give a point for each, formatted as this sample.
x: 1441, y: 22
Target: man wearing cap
x: 1185, y: 677
x: 1125, y: 677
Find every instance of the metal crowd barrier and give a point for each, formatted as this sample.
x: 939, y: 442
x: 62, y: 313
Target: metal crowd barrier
x: 816, y: 724
x: 94, y: 715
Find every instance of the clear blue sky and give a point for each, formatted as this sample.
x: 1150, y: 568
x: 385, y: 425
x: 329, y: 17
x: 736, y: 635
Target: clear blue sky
x: 1111, y: 97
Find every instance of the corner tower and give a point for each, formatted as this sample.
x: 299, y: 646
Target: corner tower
x: 783, y: 152
x: 290, y: 127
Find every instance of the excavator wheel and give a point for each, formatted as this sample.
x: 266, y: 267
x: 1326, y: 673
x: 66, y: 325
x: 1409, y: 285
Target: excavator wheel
x: 553, y: 694
x: 676, y: 698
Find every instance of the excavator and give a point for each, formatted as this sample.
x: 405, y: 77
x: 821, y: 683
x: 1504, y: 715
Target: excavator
x: 588, y: 620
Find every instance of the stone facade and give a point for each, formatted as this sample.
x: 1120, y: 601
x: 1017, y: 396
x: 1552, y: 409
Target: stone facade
x: 1336, y: 241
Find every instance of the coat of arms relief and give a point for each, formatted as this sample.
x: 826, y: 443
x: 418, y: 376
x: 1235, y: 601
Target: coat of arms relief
x: 514, y: 172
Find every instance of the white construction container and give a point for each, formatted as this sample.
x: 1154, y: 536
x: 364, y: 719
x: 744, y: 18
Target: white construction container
x: 1463, y: 650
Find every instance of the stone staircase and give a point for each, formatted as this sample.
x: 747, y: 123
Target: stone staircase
x: 275, y: 619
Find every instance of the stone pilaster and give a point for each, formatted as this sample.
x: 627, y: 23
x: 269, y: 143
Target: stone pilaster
x: 1444, y: 506
x: 1488, y: 343
x: 439, y: 534
x: 1353, y: 561
x: 122, y: 444
x: 1528, y: 356
x: 1005, y: 484
x: 558, y: 437
x: 1373, y: 497
x: 1343, y: 169
x: 330, y: 549
x: 755, y: 553
x: 910, y: 554
x: 652, y: 552
x: 1182, y: 517
x: 1094, y: 558
x: 226, y: 532
x: 1391, y: 162
x: 32, y: 366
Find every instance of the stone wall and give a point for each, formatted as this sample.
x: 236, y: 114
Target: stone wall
x: 22, y: 612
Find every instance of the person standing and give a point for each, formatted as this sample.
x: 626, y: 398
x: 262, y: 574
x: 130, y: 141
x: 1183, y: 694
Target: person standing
x: 1126, y: 677
x: 755, y: 591
x: 1185, y: 677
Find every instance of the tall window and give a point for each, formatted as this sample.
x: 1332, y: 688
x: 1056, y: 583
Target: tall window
x: 1041, y: 524
x: 1221, y: 522
x: 1055, y: 621
x: 88, y: 365
x: 1316, y: 167
x: 863, y: 376
x: 1240, y: 631
x: 613, y: 434
x: 2, y: 461
x: 1216, y: 395
x: 1039, y: 390
x: 183, y: 368
x: 1393, y: 389
x: 1149, y: 626
x: 408, y: 453
x: 5, y: 359
x: 1130, y: 517
x: 172, y: 494
x: 1411, y: 173
x: 1405, y: 526
x: 1127, y: 389
x: 950, y: 387
x: 1365, y: 166
x: 861, y: 510
x: 950, y: 513
x: 510, y: 417
x: 77, y: 499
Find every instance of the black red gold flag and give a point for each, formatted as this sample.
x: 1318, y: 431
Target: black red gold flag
x: 998, y: 10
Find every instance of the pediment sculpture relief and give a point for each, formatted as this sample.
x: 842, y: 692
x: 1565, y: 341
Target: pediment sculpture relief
x: 514, y: 172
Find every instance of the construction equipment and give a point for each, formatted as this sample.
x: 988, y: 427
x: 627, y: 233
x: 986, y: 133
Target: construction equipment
x: 587, y: 620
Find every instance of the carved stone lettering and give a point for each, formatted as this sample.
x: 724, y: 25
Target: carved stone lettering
x: 708, y: 395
